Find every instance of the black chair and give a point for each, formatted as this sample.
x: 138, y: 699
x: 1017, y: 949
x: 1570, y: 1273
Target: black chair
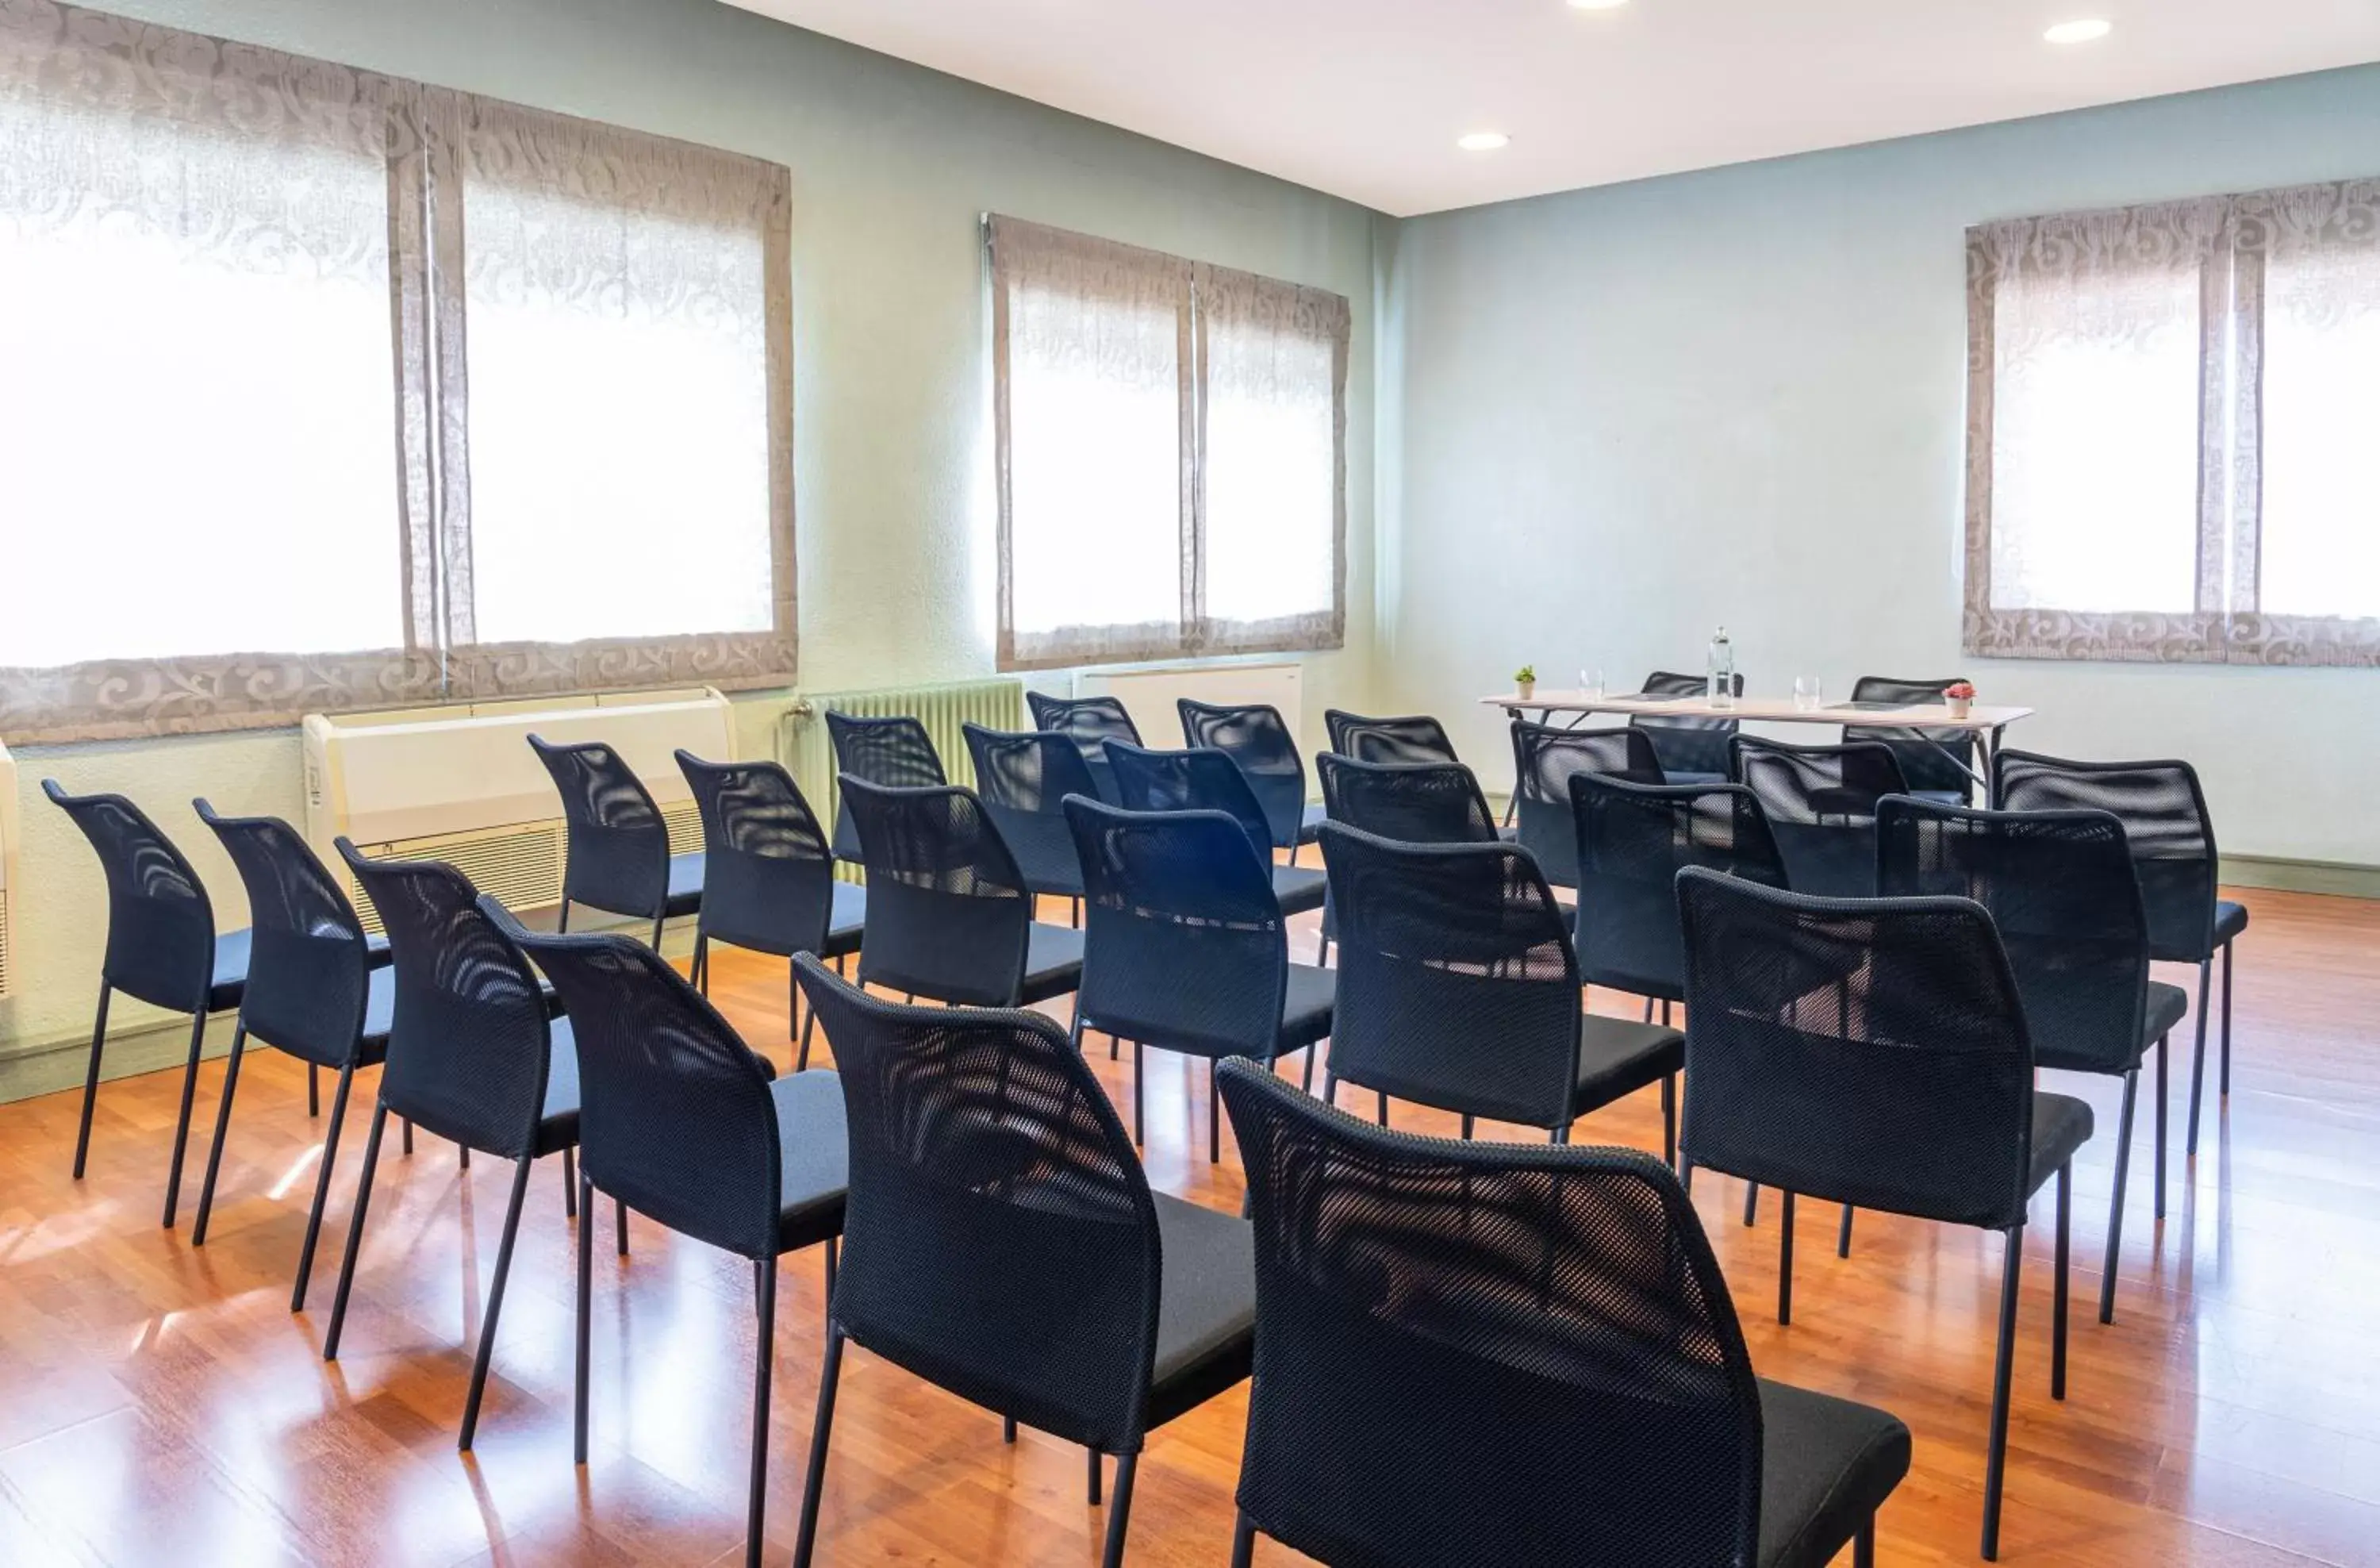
x: 1691, y: 750
x: 475, y: 1055
x: 1204, y: 779
x: 1938, y: 763
x: 616, y: 855
x: 1022, y: 780
x: 314, y: 991
x: 1255, y: 736
x: 1412, y: 802
x: 1820, y: 802
x: 949, y: 916
x: 161, y: 947
x: 2172, y: 840
x: 1187, y: 950
x: 1459, y: 989
x: 768, y: 874
x: 1544, y: 758
x: 1874, y: 1053
x: 895, y: 752
x: 1090, y: 723
x: 1414, y: 737
x: 1006, y: 1246
x: 681, y: 1122
x: 1474, y: 1353
x: 2062, y: 893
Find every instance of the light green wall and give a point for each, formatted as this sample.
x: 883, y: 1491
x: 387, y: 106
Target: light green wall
x: 891, y: 165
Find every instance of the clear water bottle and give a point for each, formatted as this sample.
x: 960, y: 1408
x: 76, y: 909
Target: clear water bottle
x: 1719, y: 684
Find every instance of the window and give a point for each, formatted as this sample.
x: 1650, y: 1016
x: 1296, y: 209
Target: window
x: 2165, y: 411
x: 1171, y: 454
x: 390, y: 395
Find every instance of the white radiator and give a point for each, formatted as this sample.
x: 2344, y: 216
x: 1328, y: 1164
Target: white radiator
x: 461, y: 785
x: 8, y: 879
x: 1148, y: 695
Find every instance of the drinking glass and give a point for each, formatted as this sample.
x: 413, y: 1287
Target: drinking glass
x: 1590, y: 685
x: 1809, y: 694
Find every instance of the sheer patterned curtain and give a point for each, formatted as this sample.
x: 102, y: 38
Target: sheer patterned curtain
x: 236, y: 282
x: 2166, y: 409
x: 1171, y: 444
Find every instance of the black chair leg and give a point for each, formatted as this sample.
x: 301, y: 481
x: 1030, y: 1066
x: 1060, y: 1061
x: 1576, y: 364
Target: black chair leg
x: 313, y: 1091
x: 2223, y: 1084
x: 802, y: 1058
x: 1785, y: 1264
x: 832, y: 1246
x: 2115, y: 1208
x: 2163, y: 1098
x: 1306, y: 1083
x: 1669, y: 1121
x: 569, y: 1182
x: 90, y: 1080
x: 585, y: 1303
x: 461, y: 1157
x: 1214, y: 1118
x: 1330, y: 1088
x: 1244, y: 1541
x: 214, y: 1150
x: 495, y: 1301
x: 354, y: 1234
x: 2057, y: 1299
x: 1384, y: 1108
x: 322, y: 1185
x: 407, y: 1121
x: 620, y: 1225
x: 1995, y: 1455
x: 562, y: 917
x: 1864, y: 1546
x: 764, y: 1357
x: 1008, y: 1428
x: 1322, y: 950
x: 1119, y: 1512
x: 1466, y: 1126
x: 1139, y: 1092
x: 1844, y: 1234
x: 2198, y: 1057
x: 1095, y: 1475
x: 182, y: 1124
x: 659, y: 921
x: 701, y: 962
x: 1750, y: 1202
x: 814, y: 1482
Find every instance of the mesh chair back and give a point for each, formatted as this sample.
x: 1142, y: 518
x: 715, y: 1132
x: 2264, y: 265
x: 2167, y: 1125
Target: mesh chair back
x: 768, y: 876
x: 1486, y: 1353
x: 2060, y: 888
x: 1820, y: 801
x: 895, y: 752
x: 1024, y: 779
x: 1000, y: 1239
x: 1184, y: 945
x: 1919, y: 750
x: 1090, y: 723
x: 1457, y: 984
x: 1256, y: 737
x: 309, y: 976
x: 1414, y: 737
x: 1632, y: 842
x: 1544, y: 758
x: 2166, y: 824
x: 948, y: 911
x: 469, y: 1047
x: 1201, y: 780
x: 616, y: 853
x: 1867, y: 1052
x: 161, y: 927
x: 1687, y: 746
x: 674, y: 1116
x: 1412, y: 802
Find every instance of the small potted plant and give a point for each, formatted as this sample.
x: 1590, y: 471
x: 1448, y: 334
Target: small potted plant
x: 1960, y: 697
x: 1525, y: 679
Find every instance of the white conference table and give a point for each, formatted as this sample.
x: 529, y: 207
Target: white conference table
x: 1982, y: 724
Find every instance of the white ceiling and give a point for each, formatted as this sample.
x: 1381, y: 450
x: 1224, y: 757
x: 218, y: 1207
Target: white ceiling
x: 1365, y: 98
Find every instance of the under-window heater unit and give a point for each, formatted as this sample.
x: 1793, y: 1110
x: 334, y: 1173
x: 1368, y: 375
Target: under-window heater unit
x: 461, y: 784
x: 8, y: 879
x: 804, y: 748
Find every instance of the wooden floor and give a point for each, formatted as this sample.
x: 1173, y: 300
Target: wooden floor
x: 160, y: 1405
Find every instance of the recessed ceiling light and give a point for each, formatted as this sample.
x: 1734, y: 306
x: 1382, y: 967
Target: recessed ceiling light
x: 1597, y: 5
x: 1482, y: 140
x: 2083, y: 32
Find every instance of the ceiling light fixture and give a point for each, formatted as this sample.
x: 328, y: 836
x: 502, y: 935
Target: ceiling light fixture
x: 1482, y: 140
x: 2085, y: 32
x: 1597, y: 5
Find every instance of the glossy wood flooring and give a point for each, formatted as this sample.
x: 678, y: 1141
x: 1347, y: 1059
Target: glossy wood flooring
x: 160, y: 1405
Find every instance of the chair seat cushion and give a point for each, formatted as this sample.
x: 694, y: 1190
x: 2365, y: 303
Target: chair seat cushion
x: 1299, y: 887
x: 1941, y: 796
x: 847, y: 922
x: 1309, y: 823
x: 1306, y: 1005
x: 814, y: 1166
x: 1826, y: 1466
x: 2060, y: 1125
x: 557, y: 1123
x: 2230, y: 919
x: 1207, y: 1307
x: 1053, y: 961
x: 684, y: 883
x: 1618, y: 1056
x: 2167, y: 1007
x: 1675, y: 777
